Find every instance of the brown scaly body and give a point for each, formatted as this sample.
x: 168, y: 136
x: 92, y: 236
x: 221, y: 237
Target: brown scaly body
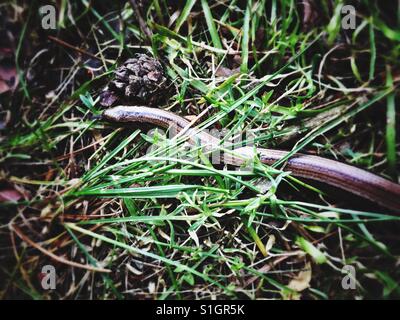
x: 335, y: 173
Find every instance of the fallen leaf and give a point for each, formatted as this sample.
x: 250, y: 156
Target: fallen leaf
x: 302, y: 280
x: 9, y: 195
x: 270, y: 243
x: 8, y: 78
x: 226, y: 72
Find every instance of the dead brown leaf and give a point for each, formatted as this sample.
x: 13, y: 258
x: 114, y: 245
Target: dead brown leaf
x: 8, y: 78
x: 9, y: 195
x: 302, y: 280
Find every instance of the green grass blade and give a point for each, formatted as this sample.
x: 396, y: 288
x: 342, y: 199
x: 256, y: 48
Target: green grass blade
x: 184, y: 14
x: 145, y: 253
x: 391, y: 127
x: 211, y: 25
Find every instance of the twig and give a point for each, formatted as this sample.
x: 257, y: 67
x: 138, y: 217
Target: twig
x: 142, y: 23
x: 65, y: 44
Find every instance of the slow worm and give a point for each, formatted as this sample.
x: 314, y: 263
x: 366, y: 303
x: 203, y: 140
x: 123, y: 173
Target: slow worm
x: 335, y: 173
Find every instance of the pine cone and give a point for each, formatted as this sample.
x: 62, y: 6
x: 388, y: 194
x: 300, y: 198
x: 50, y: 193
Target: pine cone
x: 139, y: 80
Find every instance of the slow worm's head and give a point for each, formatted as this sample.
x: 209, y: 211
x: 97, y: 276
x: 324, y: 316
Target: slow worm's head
x: 118, y: 114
